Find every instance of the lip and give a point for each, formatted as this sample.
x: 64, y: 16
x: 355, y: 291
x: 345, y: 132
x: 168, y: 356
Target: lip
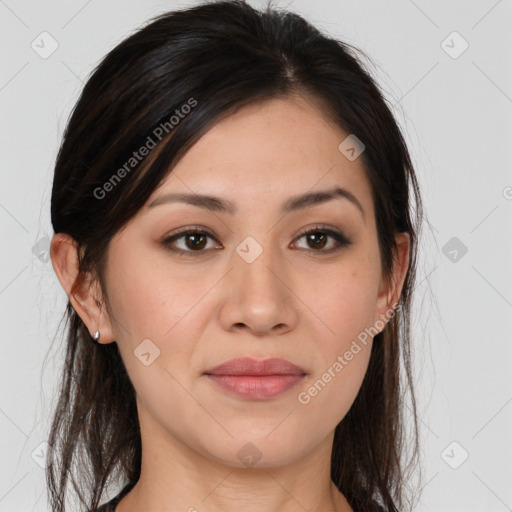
x: 255, y: 367
x: 256, y: 379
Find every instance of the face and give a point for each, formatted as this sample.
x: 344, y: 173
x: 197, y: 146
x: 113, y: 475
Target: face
x: 249, y: 281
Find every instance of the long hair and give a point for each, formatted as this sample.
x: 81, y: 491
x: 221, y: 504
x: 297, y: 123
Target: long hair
x: 168, y: 83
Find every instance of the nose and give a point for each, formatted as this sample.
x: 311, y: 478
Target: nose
x: 258, y: 297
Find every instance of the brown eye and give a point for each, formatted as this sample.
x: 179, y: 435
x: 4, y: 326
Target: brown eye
x: 194, y: 240
x: 317, y: 240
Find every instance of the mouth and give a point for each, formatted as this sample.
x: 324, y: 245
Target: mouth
x: 256, y: 379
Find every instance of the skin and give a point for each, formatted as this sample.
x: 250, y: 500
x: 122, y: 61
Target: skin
x: 290, y: 302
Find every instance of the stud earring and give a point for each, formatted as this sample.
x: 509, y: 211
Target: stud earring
x: 96, y: 336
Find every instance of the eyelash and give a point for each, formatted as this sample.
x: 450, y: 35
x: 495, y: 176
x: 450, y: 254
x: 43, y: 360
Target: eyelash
x: 340, y: 238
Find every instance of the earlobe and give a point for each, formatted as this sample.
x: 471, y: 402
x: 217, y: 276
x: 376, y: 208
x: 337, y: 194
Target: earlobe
x: 80, y: 291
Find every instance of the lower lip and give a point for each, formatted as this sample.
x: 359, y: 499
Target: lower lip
x: 256, y: 387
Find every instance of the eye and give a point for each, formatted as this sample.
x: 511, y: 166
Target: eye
x: 317, y: 239
x: 196, y: 240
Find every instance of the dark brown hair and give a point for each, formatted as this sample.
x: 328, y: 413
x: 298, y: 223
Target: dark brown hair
x: 218, y: 57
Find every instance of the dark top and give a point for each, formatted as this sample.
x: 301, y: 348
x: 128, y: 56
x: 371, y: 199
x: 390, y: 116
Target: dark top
x: 111, y: 505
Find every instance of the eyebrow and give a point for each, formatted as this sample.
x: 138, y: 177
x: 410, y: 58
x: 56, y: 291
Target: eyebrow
x: 295, y: 203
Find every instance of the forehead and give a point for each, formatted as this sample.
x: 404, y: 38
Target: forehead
x: 269, y: 150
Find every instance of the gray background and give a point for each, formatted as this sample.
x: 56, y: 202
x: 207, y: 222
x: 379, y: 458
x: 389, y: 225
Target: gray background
x: 455, y: 111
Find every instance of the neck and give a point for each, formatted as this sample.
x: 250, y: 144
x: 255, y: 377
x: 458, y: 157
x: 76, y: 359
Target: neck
x: 175, y: 477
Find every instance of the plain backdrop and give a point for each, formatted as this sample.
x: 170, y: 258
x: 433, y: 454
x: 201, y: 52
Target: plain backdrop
x: 445, y: 68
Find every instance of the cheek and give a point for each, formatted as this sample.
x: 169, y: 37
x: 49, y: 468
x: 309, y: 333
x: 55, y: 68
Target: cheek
x: 348, y: 311
x: 330, y: 393
x: 346, y: 302
x: 165, y: 308
x: 151, y: 301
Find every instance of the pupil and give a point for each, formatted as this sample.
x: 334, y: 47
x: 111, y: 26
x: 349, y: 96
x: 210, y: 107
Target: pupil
x: 312, y: 237
x: 194, y: 244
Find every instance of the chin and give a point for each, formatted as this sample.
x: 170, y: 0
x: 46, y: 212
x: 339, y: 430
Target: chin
x: 258, y: 450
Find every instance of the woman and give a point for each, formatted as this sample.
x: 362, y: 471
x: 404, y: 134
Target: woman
x: 234, y: 230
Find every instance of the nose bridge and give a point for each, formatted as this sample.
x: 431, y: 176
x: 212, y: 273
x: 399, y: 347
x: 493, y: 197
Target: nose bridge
x: 257, y: 296
x: 257, y: 265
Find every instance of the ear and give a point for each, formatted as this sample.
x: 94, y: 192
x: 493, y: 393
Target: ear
x: 84, y: 293
x: 391, y: 289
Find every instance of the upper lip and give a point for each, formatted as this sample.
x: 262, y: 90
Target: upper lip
x: 250, y: 366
